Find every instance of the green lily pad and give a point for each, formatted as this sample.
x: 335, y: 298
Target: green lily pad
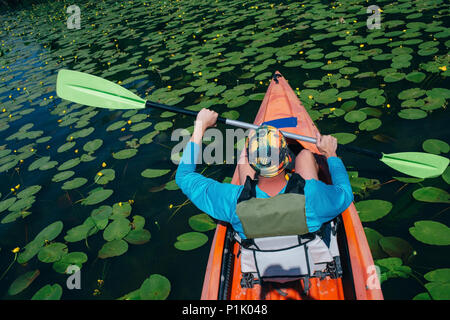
x: 355, y: 116
x: 48, y: 292
x: 190, y: 241
x: 373, y: 238
x: 140, y: 126
x: 53, y: 252
x: 394, y: 77
x: 438, y: 275
x: 416, y: 76
x: 22, y: 204
x: 104, y: 176
x: 171, y: 185
x: 439, y: 290
x: 238, y: 101
x: 29, y: 191
x: 5, y: 204
x: 163, y: 125
x: 370, y: 124
x: 69, y: 164
x: 72, y: 258
x: 117, y: 229
x: 432, y: 194
x: 412, y: 93
x: 431, y: 232
x: 113, y: 249
x: 156, y: 287
x: 121, y: 210
x: 435, y: 146
x: 344, y: 138
x: 66, y: 146
x: 74, y: 183
x: 202, y: 222
x: 22, y: 282
x: 124, y: 154
x: 97, y: 197
x: 38, y: 163
x: 93, y: 145
x: 396, y: 247
x: 138, y: 236
x: 154, y: 173
x: 412, y: 114
x: 372, y: 210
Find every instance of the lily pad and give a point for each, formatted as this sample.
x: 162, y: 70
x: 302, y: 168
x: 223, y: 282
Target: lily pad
x: 412, y: 114
x: 396, y: 247
x: 97, y: 197
x: 104, y: 176
x: 154, y: 173
x: 22, y: 282
x: 93, y: 145
x: 416, y: 76
x: 190, y: 241
x: 72, y: 258
x: 74, y: 183
x: 163, y: 125
x: 372, y: 210
x: 117, y: 229
x: 344, y: 138
x: 355, y: 116
x: 370, y: 124
x: 432, y: 194
x: 53, y: 252
x: 435, y: 146
x: 156, y: 287
x: 48, y: 292
x: 124, y: 154
x: 431, y: 232
x: 202, y: 222
x: 138, y: 236
x: 113, y: 249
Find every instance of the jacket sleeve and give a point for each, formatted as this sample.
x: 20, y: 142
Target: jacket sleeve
x: 212, y: 197
x: 328, y: 201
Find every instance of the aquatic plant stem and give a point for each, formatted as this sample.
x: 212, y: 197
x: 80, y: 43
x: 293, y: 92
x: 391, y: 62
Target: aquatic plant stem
x: 9, y: 267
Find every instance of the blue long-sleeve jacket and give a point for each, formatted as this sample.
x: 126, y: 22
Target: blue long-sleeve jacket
x: 323, y: 202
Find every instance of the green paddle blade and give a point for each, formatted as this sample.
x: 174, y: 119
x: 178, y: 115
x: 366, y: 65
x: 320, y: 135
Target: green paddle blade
x: 416, y: 164
x: 93, y: 91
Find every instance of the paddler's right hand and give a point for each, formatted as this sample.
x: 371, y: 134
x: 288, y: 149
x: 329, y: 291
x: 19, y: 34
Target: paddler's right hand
x: 205, y: 119
x: 327, y: 145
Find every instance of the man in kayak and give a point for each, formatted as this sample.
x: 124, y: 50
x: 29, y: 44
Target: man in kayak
x: 219, y: 200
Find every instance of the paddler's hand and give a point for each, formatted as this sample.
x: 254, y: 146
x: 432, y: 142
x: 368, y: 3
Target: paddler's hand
x: 205, y: 119
x: 327, y: 145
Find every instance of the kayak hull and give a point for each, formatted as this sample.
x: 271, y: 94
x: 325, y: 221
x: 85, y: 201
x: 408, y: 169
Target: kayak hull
x: 223, y: 274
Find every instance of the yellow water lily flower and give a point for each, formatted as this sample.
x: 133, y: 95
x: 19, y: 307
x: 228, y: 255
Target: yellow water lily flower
x: 99, y: 174
x: 15, y: 250
x: 131, y: 201
x: 17, y: 187
x: 103, y: 164
x: 443, y: 68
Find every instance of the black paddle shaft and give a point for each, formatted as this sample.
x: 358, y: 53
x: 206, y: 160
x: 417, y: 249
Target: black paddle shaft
x: 150, y: 104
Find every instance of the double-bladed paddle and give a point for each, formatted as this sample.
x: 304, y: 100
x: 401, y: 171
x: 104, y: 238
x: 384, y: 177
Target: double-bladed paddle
x: 94, y: 91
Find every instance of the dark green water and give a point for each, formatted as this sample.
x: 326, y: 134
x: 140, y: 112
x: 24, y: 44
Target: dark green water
x: 174, y: 43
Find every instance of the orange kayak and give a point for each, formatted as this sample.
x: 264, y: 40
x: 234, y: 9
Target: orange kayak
x: 281, y: 107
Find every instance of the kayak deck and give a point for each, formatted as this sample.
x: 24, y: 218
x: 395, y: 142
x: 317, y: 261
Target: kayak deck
x: 282, y: 108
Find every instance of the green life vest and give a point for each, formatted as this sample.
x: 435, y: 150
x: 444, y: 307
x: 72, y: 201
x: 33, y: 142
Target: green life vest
x: 281, y: 215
